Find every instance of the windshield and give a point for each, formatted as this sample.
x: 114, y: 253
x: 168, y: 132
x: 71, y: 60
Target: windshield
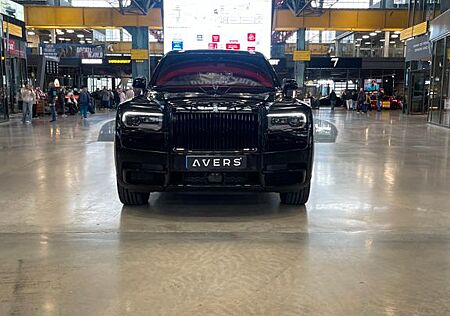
x: 217, y: 72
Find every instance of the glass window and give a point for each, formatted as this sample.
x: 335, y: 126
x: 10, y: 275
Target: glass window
x: 436, y: 82
x: 446, y: 88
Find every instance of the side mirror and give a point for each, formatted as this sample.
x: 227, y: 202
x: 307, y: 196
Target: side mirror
x: 140, y: 83
x: 289, y: 86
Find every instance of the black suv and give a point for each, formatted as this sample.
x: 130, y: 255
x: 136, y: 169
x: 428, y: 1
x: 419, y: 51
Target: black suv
x: 214, y: 121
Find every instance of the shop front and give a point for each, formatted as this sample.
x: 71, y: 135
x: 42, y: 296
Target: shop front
x: 13, y: 73
x: 439, y: 104
x: 417, y: 79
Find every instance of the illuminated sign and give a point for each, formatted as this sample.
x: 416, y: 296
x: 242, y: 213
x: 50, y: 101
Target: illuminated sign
x: 13, y: 29
x: 92, y: 61
x: 302, y: 55
x: 220, y: 24
x: 12, y: 9
x: 119, y: 61
x: 139, y: 54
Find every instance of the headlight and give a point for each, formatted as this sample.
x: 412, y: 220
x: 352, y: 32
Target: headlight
x: 283, y: 121
x: 145, y: 120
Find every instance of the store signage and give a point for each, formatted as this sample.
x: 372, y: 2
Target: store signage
x: 418, y: 48
x: 12, y: 9
x: 406, y: 33
x: 16, y: 48
x: 91, y: 61
x: 139, y: 54
x: 302, y: 55
x: 440, y: 26
x: 12, y: 29
x: 119, y: 61
x: 420, y: 29
x: 335, y: 62
x: 221, y: 24
x: 72, y: 51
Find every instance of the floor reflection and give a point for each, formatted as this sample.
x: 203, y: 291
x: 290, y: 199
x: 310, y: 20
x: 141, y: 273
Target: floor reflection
x: 106, y: 133
x: 212, y: 212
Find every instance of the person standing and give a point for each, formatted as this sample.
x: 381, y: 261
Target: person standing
x: 130, y: 94
x: 361, y: 99
x: 354, y: 98
x: 122, y: 96
x: 380, y: 96
x: 105, y: 98
x: 28, y: 98
x: 52, y: 97
x: 84, y: 101
x: 333, y: 99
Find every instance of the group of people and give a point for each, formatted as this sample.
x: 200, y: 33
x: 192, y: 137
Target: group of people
x: 358, y: 101
x: 108, y: 98
x: 70, y: 100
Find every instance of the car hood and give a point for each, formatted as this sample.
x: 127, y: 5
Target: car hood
x: 216, y: 104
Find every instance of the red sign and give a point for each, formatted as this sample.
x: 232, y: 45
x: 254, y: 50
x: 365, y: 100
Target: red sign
x: 216, y: 38
x: 233, y: 46
x: 212, y: 46
x: 251, y: 49
x: 251, y: 37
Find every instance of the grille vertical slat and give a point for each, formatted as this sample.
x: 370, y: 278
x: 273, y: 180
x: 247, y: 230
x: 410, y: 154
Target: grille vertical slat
x: 206, y: 131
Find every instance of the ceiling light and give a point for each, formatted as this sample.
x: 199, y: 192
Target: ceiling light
x: 397, y: 32
x: 45, y: 42
x: 359, y: 39
x: 80, y: 35
x: 377, y: 31
x: 373, y: 34
x: 382, y: 40
x: 31, y: 33
x: 368, y: 43
x: 67, y: 39
x: 392, y: 42
x: 394, y: 35
x: 366, y: 36
x: 81, y: 42
x: 357, y: 45
x: 70, y: 31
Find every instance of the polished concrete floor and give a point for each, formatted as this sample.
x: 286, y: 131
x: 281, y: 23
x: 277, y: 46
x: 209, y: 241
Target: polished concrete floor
x: 374, y: 239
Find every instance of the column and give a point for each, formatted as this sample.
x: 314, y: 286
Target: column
x: 299, y: 66
x: 139, y: 40
x: 387, y: 38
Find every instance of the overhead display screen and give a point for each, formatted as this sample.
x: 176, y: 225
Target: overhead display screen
x: 220, y: 24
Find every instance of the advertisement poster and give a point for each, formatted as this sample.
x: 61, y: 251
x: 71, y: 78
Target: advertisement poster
x: 72, y: 51
x: 222, y: 24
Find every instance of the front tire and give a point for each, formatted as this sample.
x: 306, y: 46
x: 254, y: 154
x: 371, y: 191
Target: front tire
x: 128, y: 197
x: 296, y: 198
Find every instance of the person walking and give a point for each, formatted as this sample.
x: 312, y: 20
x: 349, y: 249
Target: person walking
x: 380, y: 96
x: 51, y: 98
x: 333, y: 99
x: 28, y: 98
x: 84, y: 101
x: 361, y: 99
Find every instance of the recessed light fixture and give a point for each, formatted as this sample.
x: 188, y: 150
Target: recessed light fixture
x: 397, y: 32
x: 31, y: 33
x: 382, y: 40
x: 394, y: 35
x: 67, y: 39
x: 359, y: 39
x: 81, y: 42
x: 368, y: 43
x: 392, y: 42
x: 373, y: 34
x: 70, y: 31
x: 377, y: 31
x: 357, y: 45
x: 46, y: 42
x: 366, y: 36
x: 80, y: 35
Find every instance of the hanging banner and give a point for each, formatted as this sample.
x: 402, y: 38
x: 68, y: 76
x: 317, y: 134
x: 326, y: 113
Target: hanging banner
x: 82, y: 51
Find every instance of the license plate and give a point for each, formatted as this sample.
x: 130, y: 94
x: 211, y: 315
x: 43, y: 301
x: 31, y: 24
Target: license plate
x: 211, y: 163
